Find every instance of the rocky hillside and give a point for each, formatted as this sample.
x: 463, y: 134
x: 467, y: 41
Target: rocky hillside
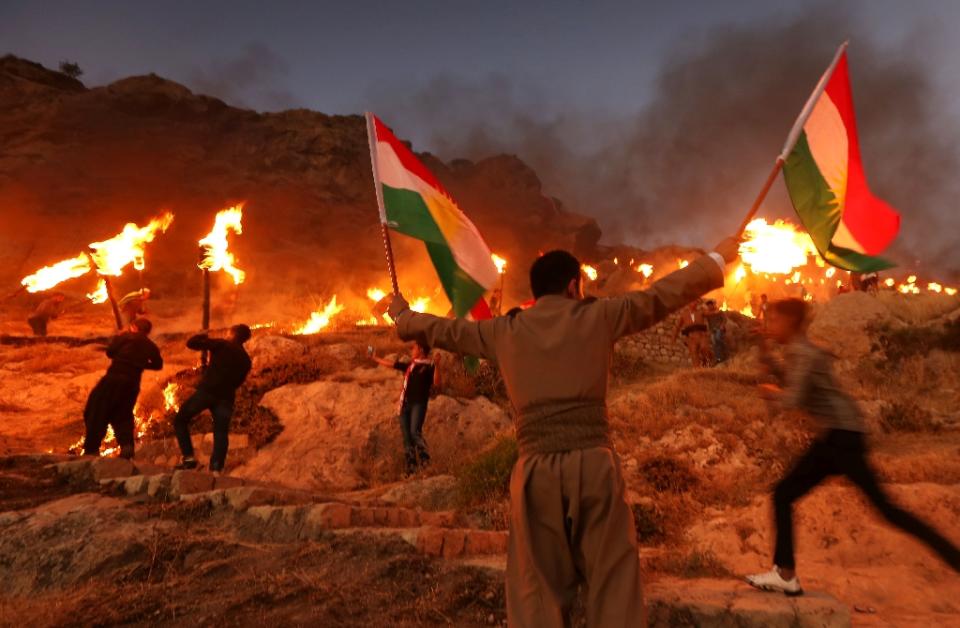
x: 77, y: 163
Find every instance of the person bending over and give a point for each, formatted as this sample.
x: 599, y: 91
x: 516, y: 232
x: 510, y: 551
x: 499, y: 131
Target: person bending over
x: 569, y: 520
x: 229, y: 366
x: 806, y: 382
x: 112, y: 400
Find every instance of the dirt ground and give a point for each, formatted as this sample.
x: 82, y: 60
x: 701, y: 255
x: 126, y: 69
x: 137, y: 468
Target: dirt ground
x: 700, y: 452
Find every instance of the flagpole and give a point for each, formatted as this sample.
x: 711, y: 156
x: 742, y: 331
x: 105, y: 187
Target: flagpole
x: 384, y: 230
x: 793, y: 136
x: 777, y: 167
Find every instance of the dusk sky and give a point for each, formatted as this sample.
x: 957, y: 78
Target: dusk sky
x: 446, y: 73
x: 333, y: 57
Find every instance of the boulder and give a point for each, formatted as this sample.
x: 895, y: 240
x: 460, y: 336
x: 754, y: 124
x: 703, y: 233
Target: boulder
x: 340, y: 351
x: 269, y: 350
x: 840, y: 324
x: 334, y: 430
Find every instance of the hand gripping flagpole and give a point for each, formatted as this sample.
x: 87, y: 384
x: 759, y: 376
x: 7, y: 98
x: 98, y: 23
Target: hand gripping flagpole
x: 384, y: 229
x: 793, y: 137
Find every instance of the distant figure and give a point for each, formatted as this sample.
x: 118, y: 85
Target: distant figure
x: 808, y: 384
x: 420, y: 376
x: 570, y: 524
x: 762, y: 311
x: 133, y: 305
x: 48, y: 309
x: 693, y: 326
x: 112, y: 400
x: 717, y: 325
x: 870, y: 282
x: 216, y: 392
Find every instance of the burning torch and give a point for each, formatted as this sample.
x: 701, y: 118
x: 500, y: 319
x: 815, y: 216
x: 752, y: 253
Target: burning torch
x: 107, y: 287
x: 501, y: 265
x: 215, y: 255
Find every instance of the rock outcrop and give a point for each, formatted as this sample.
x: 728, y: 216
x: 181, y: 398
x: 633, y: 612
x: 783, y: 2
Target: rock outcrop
x: 82, y: 162
x: 338, y: 432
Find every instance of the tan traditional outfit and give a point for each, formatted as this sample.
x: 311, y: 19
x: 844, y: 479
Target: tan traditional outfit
x: 569, y: 520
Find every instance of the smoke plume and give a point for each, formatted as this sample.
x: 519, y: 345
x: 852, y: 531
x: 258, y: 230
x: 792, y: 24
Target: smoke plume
x: 248, y: 79
x: 686, y: 165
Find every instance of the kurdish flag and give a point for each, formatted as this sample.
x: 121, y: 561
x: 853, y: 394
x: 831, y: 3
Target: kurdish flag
x: 414, y: 203
x: 824, y: 176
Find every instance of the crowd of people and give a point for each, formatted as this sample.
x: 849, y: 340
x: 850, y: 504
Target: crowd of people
x: 570, y: 524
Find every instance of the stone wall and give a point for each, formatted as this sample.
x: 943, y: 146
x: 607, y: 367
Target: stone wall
x: 657, y: 344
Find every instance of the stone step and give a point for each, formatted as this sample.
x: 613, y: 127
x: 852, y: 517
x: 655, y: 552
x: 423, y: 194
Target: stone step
x: 450, y: 543
x: 720, y: 603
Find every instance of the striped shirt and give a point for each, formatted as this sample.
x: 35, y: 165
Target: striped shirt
x: 806, y: 375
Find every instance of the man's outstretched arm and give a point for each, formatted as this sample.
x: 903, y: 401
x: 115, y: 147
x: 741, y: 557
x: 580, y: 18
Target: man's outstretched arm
x: 457, y: 335
x: 636, y: 311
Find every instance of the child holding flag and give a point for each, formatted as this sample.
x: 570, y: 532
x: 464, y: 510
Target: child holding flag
x: 806, y: 382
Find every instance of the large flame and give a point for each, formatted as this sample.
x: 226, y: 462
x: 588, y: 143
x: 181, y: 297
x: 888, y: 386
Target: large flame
x: 217, y: 255
x: 110, y: 257
x: 645, y: 269
x: 320, y: 318
x: 776, y: 248
x: 49, y: 276
x: 589, y: 271
x: 127, y: 247
x: 100, y: 295
x: 499, y: 262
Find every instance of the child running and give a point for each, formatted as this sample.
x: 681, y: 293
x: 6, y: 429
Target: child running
x: 807, y: 383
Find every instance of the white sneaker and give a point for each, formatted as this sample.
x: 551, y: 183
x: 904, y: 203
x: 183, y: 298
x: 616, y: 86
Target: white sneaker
x: 773, y: 581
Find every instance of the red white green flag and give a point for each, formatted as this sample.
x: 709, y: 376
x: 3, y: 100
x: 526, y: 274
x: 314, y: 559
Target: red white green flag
x: 413, y: 202
x: 824, y: 176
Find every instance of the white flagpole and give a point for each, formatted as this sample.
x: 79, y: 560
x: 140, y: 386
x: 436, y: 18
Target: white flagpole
x: 811, y: 103
x: 384, y: 230
x: 793, y: 136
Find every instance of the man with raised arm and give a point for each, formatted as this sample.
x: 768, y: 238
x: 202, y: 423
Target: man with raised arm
x: 216, y: 392
x: 569, y: 520
x: 112, y: 400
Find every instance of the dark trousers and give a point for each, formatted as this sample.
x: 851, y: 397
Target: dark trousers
x: 841, y: 452
x: 38, y: 324
x: 110, y: 403
x: 718, y: 339
x: 222, y: 411
x: 412, y: 416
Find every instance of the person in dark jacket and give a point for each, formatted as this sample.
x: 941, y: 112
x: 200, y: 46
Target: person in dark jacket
x: 112, y: 400
x: 229, y: 366
x: 420, y: 375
